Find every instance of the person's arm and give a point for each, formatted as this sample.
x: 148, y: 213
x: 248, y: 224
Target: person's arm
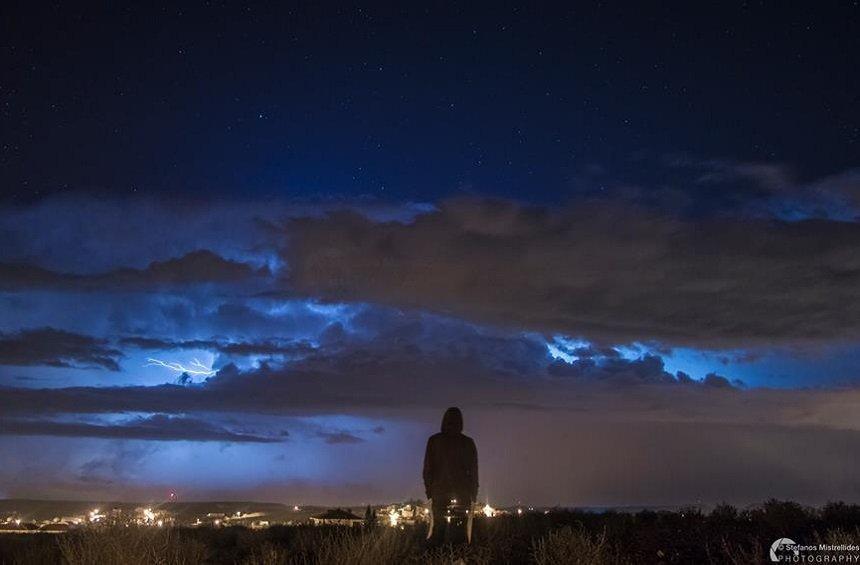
x: 473, y: 469
x: 428, y: 467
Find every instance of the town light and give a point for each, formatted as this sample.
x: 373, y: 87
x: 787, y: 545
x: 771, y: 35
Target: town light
x: 95, y: 516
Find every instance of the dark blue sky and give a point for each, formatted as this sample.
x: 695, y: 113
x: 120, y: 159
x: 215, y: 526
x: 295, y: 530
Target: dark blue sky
x: 254, y: 252
x: 417, y: 103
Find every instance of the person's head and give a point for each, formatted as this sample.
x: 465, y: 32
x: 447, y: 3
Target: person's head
x: 452, y: 421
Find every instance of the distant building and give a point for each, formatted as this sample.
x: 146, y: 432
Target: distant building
x: 337, y: 517
x: 403, y: 515
x: 55, y: 527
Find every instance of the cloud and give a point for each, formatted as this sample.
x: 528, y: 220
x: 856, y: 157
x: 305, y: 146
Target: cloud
x: 412, y: 361
x: 145, y: 229
x: 115, y: 465
x: 760, y: 189
x: 289, y: 347
x: 607, y: 272
x: 160, y: 427
x: 373, y: 379
x: 474, y: 290
x: 339, y: 437
x: 602, y: 429
x: 717, y: 381
x: 385, y: 360
x: 196, y: 267
x: 56, y: 348
x: 559, y: 441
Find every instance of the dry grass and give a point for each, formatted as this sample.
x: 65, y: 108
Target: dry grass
x: 724, y: 536
x: 572, y: 546
x: 130, y: 546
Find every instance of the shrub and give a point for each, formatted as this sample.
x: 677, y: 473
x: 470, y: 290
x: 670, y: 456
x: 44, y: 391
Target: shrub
x: 572, y: 546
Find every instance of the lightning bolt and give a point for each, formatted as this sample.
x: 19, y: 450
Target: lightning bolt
x: 194, y: 368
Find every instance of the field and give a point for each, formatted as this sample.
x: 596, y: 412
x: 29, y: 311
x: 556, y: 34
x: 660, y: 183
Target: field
x: 725, y: 535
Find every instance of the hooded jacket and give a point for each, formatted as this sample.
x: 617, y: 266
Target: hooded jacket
x: 451, y: 461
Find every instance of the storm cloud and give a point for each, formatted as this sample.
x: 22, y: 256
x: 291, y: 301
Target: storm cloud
x: 294, y: 347
x: 56, y: 348
x: 561, y: 333
x: 573, y: 434
x: 159, y: 427
x: 201, y: 266
x: 607, y: 272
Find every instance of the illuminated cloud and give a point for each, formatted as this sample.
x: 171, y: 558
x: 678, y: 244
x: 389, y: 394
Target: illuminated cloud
x: 608, y: 272
x: 525, y: 317
x: 270, y: 347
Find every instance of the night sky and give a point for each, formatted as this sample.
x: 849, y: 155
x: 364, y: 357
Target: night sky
x: 253, y: 252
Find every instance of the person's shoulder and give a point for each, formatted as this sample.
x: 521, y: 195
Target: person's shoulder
x: 435, y: 436
x: 468, y: 439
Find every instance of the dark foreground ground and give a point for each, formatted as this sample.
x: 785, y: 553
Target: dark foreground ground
x: 723, y: 536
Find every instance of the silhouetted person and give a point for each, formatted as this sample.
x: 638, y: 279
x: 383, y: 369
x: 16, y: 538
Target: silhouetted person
x: 450, y: 477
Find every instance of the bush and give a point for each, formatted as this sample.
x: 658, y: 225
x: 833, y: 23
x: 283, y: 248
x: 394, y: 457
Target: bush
x: 573, y: 546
